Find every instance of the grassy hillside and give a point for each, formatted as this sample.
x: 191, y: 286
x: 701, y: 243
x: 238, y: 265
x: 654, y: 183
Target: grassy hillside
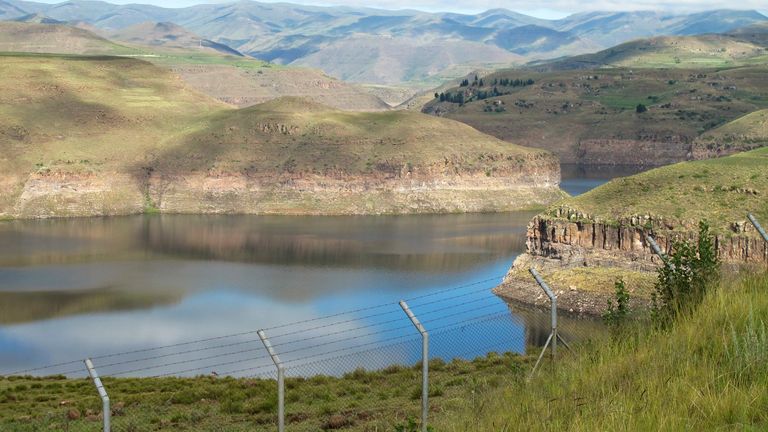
x: 68, y: 112
x: 170, y: 36
x: 213, y: 69
x: 298, y: 136
x: 56, y: 39
x: 744, y: 133
x: 719, y: 190
x: 95, y: 121
x: 687, y: 52
x: 706, y: 373
x: 590, y: 116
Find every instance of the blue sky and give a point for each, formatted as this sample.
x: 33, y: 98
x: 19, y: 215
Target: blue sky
x: 553, y: 9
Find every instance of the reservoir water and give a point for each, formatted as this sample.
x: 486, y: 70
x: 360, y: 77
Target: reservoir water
x: 74, y: 288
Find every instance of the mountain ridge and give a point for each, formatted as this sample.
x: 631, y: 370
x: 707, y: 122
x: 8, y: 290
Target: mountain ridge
x: 295, y: 34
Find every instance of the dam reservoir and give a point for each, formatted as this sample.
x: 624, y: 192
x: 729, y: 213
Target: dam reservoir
x: 71, y: 288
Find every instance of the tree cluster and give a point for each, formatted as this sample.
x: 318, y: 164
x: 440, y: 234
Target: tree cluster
x: 506, y: 82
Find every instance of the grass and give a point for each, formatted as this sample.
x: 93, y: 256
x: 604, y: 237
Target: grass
x: 707, y: 373
x: 359, y: 400
x: 588, y: 116
x: 748, y: 131
x: 602, y: 279
x: 129, y: 126
x: 688, y: 52
x: 721, y: 191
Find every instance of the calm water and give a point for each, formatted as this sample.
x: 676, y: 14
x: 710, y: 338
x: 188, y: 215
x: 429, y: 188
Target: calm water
x: 89, y: 287
x: 578, y: 179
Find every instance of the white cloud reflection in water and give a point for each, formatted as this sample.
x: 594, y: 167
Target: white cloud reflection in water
x: 90, y: 287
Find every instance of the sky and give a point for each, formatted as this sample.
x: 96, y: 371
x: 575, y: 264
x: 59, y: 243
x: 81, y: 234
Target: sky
x: 553, y: 8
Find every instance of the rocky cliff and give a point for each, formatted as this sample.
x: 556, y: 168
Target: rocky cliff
x: 582, y: 256
x: 527, y: 183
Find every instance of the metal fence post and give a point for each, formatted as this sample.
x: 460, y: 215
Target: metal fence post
x: 106, y: 411
x: 554, y: 336
x: 758, y: 227
x: 424, y: 364
x: 280, y: 381
x: 657, y: 250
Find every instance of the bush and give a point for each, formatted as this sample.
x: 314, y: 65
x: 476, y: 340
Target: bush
x: 683, y: 281
x: 641, y: 108
x: 616, y: 316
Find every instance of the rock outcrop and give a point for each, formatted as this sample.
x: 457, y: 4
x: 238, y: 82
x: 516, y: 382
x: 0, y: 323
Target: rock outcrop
x: 386, y: 190
x: 565, y: 239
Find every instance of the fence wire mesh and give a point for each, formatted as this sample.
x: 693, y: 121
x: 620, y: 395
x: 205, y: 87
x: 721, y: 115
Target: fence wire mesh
x: 358, y: 370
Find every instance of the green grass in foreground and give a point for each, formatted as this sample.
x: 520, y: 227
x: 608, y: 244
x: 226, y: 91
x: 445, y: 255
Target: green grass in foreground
x: 357, y: 401
x: 709, y: 372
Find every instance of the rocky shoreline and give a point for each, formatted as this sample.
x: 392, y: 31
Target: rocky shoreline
x: 567, y: 245
x: 59, y: 194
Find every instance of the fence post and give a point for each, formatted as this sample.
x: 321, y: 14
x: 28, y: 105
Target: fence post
x: 424, y: 363
x: 554, y: 336
x: 106, y: 411
x: 758, y: 227
x: 657, y: 250
x: 280, y: 381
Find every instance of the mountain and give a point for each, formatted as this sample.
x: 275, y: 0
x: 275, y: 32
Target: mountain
x: 214, y: 70
x: 307, y: 35
x: 710, y: 50
x: 113, y: 135
x: 370, y: 59
x: 9, y: 11
x: 37, y: 19
x: 168, y: 35
x: 33, y: 37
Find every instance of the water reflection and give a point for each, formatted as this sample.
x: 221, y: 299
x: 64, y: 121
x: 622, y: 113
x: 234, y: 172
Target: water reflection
x: 71, y: 288
x: 89, y: 287
x: 578, y: 179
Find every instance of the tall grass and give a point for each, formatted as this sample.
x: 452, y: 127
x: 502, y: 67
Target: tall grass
x: 708, y: 372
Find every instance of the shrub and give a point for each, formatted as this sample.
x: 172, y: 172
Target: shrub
x: 616, y: 315
x: 683, y: 281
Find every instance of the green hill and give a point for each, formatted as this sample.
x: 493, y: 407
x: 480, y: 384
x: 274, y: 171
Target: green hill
x: 721, y: 191
x: 111, y: 135
x: 744, y: 133
x: 591, y: 116
x: 206, y: 66
x: 746, y: 46
x: 36, y: 37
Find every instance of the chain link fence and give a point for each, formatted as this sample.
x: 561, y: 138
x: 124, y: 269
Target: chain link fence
x: 357, y: 370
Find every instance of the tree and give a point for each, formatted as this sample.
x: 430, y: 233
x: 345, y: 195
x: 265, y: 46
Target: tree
x: 641, y: 108
x: 437, y: 95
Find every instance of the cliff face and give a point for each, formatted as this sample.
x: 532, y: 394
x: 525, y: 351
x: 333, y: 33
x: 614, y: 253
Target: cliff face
x: 578, y: 240
x: 582, y: 257
x: 393, y: 189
